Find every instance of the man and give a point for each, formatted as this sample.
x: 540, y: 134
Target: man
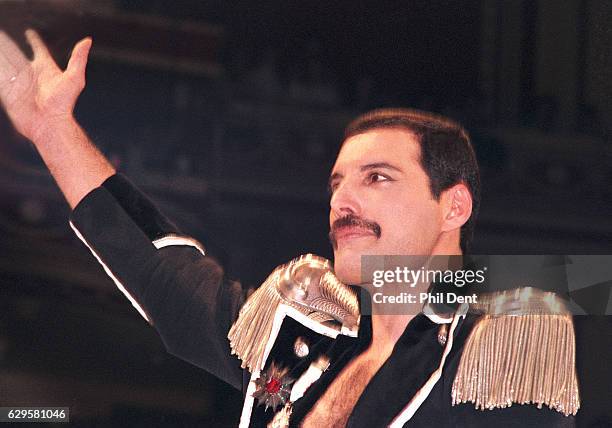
x: 404, y: 183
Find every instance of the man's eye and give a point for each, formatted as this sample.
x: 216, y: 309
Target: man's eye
x: 332, y: 188
x: 376, y: 177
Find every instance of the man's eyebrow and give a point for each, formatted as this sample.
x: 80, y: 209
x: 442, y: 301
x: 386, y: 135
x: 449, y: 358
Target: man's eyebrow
x: 377, y: 165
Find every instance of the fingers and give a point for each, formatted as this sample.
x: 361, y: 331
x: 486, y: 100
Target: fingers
x: 12, y: 60
x: 78, y: 58
x: 38, y: 46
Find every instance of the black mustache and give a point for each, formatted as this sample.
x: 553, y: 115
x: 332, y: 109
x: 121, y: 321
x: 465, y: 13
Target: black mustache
x: 352, y: 220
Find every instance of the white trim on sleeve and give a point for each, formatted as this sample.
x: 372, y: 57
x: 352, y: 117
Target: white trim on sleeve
x: 173, y: 239
x: 111, y: 275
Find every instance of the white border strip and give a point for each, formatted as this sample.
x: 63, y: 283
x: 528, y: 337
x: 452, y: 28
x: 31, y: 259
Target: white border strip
x: 110, y: 274
x: 173, y: 239
x: 311, y: 375
x: 420, y: 396
x: 436, y: 318
x: 247, y: 407
x: 315, y: 326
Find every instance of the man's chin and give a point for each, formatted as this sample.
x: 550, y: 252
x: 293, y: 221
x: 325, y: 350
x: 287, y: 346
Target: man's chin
x: 347, y: 262
x: 348, y: 273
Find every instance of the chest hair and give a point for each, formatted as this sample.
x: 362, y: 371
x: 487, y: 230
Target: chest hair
x: 336, y: 404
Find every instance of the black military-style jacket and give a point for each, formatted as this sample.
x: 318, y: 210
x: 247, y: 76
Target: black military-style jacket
x: 188, y: 299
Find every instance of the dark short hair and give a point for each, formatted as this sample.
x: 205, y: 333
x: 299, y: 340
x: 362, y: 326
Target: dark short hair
x: 447, y: 155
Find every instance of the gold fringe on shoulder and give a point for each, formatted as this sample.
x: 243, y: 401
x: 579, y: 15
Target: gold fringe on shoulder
x: 307, y: 284
x: 521, y: 351
x: 248, y: 336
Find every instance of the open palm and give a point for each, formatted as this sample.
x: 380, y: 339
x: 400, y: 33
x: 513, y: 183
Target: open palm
x: 36, y: 93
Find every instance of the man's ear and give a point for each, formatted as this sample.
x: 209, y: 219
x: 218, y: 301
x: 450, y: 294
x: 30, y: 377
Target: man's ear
x: 457, y: 203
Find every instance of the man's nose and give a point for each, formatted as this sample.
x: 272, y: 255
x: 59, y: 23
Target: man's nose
x: 345, y: 201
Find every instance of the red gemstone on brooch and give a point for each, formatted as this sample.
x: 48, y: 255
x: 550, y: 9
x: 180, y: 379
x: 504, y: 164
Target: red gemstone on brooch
x: 273, y: 386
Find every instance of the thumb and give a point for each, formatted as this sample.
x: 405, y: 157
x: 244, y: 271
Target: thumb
x: 78, y: 58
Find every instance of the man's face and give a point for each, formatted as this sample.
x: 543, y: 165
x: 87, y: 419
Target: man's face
x: 381, y: 203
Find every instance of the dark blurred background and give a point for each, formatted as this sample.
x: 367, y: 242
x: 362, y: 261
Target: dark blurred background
x: 228, y: 113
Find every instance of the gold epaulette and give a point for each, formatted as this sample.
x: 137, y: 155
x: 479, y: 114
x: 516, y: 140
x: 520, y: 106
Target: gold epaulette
x: 522, y: 350
x: 306, y: 284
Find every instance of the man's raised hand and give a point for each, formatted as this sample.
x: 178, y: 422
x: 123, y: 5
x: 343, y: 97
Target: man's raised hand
x: 38, y: 93
x: 39, y: 99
